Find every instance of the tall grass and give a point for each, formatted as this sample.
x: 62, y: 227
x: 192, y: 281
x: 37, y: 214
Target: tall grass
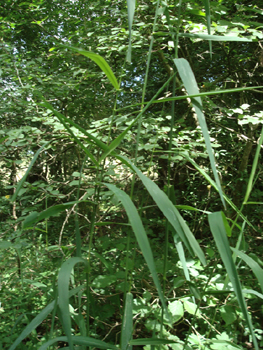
x: 97, y: 151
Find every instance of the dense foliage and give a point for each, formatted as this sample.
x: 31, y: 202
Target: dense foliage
x: 131, y: 214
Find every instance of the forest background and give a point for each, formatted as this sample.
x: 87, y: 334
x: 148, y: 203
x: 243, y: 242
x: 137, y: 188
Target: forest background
x: 131, y: 214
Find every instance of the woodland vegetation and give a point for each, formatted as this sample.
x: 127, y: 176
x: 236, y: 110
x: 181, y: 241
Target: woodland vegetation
x: 131, y: 174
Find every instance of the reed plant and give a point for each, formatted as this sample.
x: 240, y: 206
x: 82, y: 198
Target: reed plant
x: 71, y: 309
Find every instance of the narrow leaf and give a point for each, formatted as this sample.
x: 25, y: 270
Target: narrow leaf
x: 39, y: 319
x: 215, y: 37
x: 211, y: 181
x: 115, y: 143
x: 92, y: 139
x: 80, y: 340
x: 64, y: 121
x: 151, y: 341
x: 203, y: 94
x: 33, y: 218
x: 170, y: 212
x: 33, y: 324
x: 127, y: 327
x: 141, y: 237
x: 131, y: 10
x: 100, y: 61
x: 251, y: 291
x: 254, y: 167
x: 257, y: 270
x: 63, y: 295
x: 217, y: 227
x: 208, y: 20
x: 190, y: 84
x: 21, y: 182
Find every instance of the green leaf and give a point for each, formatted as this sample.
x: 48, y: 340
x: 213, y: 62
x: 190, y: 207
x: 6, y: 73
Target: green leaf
x: 103, y: 281
x: 64, y: 121
x: 5, y: 245
x: 191, y: 308
x: 177, y: 310
x: 140, y: 235
x: 228, y: 314
x: 21, y: 182
x: 215, y: 37
x: 180, y: 250
x: 80, y: 340
x: 170, y: 212
x: 127, y: 324
x: 115, y: 143
x: 208, y: 20
x: 35, y: 217
x: 254, y: 167
x: 151, y: 341
x: 63, y: 295
x: 257, y: 270
x: 217, y: 227
x: 100, y: 61
x: 190, y: 84
x: 39, y: 319
x: 207, y: 93
x: 131, y: 10
x: 251, y: 291
x: 211, y: 181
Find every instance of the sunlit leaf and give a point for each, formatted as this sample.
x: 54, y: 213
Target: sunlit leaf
x: 100, y: 61
x: 131, y: 10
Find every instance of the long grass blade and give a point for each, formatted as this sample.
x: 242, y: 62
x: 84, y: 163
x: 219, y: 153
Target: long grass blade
x: 39, y: 318
x: 91, y: 139
x: 131, y: 10
x: 100, y: 61
x: 64, y: 121
x: 22, y: 181
x: 190, y: 84
x: 257, y: 270
x: 205, y: 36
x: 80, y: 340
x: 216, y: 223
x: 170, y: 212
x: 203, y: 94
x: 254, y: 167
x: 251, y: 291
x: 208, y: 20
x: 141, y: 237
x: 127, y: 327
x: 63, y: 295
x: 151, y: 341
x: 212, y: 183
x: 115, y: 143
x: 35, y: 217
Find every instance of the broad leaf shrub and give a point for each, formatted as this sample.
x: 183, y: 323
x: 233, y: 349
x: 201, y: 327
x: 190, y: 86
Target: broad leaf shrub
x: 107, y: 259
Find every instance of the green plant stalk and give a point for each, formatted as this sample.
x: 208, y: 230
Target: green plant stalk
x: 251, y: 177
x: 143, y: 96
x: 54, y: 311
x: 254, y: 167
x: 91, y: 233
x: 166, y: 244
x: 46, y: 223
x: 234, y: 256
x: 115, y: 103
x: 77, y: 231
